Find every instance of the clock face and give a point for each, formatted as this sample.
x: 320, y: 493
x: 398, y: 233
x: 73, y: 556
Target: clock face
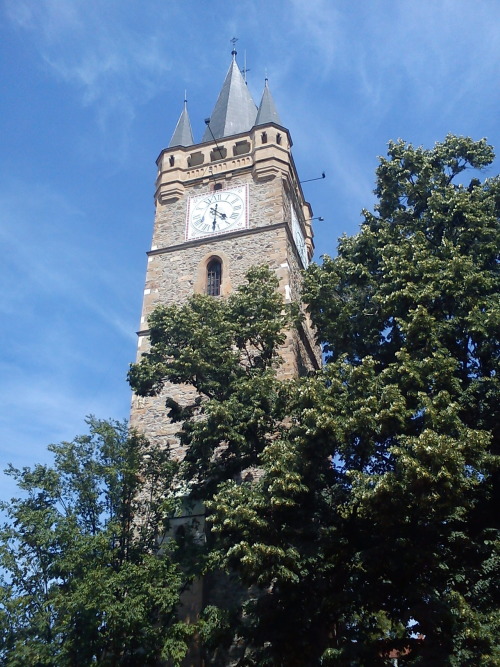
x: 217, y: 212
x: 300, y: 242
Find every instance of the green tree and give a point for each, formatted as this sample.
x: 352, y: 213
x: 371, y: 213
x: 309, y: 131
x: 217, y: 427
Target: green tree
x: 374, y: 517
x: 86, y: 579
x: 228, y: 351
x: 397, y: 536
x: 410, y: 314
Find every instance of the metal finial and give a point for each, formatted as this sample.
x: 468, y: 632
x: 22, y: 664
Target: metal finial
x: 185, y: 98
x: 233, y: 42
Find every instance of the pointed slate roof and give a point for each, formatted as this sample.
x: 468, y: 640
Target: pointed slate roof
x: 183, y: 135
x: 267, y: 110
x: 235, y: 111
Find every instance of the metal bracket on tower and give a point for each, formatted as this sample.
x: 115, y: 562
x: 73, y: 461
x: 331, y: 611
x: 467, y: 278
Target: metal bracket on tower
x: 207, y: 123
x: 319, y: 178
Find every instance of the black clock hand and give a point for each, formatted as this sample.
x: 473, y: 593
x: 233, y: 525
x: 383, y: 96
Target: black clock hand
x: 215, y: 212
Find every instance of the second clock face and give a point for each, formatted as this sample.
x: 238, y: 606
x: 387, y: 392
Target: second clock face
x: 300, y: 242
x: 217, y: 212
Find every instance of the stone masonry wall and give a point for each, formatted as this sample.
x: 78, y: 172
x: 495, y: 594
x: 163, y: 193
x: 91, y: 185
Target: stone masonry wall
x: 177, y: 268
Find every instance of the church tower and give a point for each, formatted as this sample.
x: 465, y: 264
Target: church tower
x: 223, y: 205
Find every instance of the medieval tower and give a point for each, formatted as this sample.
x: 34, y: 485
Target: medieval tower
x: 223, y: 205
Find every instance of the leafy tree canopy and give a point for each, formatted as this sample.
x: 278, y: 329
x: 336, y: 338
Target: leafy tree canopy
x: 397, y: 536
x: 228, y: 351
x: 374, y: 519
x: 83, y: 582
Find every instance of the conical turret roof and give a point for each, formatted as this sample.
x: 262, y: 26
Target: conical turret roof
x: 267, y: 110
x: 235, y: 111
x: 183, y: 135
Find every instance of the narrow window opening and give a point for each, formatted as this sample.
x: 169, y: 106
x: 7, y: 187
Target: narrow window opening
x: 278, y: 138
x: 171, y: 159
x: 218, y: 186
x: 264, y: 137
x: 214, y: 277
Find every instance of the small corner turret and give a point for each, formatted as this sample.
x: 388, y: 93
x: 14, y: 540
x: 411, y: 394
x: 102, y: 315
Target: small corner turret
x: 183, y: 134
x: 267, y: 112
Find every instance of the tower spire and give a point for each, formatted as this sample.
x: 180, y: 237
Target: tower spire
x: 235, y: 111
x: 183, y: 134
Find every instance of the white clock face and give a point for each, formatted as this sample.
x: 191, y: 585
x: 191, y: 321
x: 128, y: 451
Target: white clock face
x: 300, y: 242
x: 217, y: 212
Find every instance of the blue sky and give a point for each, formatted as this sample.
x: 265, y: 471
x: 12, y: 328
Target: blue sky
x: 90, y: 94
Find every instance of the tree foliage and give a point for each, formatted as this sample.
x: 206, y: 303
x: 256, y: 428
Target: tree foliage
x: 228, y: 351
x: 353, y: 512
x: 409, y: 312
x: 373, y: 522
x: 83, y: 582
x: 396, y: 539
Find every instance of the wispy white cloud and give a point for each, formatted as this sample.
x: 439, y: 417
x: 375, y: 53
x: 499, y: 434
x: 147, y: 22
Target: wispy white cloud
x: 58, y: 302
x: 98, y: 53
x: 318, y: 24
x: 89, y: 44
x: 48, y: 260
x: 432, y: 52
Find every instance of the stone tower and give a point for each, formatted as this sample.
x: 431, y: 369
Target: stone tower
x: 223, y: 205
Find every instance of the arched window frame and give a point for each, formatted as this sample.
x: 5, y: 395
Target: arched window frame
x: 214, y: 276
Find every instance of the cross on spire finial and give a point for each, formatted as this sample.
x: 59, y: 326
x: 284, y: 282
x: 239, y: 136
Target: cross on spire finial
x: 233, y: 42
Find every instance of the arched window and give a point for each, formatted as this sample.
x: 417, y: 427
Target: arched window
x: 214, y: 277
